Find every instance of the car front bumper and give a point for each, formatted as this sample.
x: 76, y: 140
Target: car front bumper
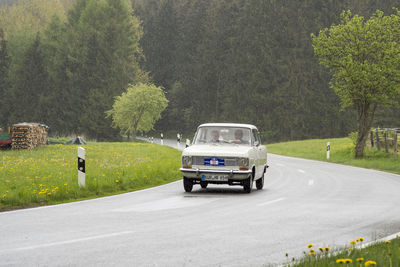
x: 197, y: 174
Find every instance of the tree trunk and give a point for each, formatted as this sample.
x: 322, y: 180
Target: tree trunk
x: 134, y: 134
x: 365, y: 116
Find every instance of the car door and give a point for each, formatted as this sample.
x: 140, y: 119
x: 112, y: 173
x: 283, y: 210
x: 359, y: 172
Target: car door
x: 254, y: 144
x: 260, y: 152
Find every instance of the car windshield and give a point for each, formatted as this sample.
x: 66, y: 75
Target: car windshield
x: 222, y: 135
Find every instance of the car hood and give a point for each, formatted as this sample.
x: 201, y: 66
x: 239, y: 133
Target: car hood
x: 217, y: 150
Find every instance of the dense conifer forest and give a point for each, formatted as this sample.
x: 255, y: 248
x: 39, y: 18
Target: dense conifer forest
x: 248, y: 61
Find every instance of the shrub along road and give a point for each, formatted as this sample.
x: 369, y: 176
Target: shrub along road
x: 303, y: 202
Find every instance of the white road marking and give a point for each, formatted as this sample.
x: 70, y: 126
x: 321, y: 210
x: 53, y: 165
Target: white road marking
x: 167, y: 204
x: 88, y: 200
x: 272, y: 201
x: 68, y: 241
x: 310, y: 182
x: 390, y: 237
x: 300, y: 170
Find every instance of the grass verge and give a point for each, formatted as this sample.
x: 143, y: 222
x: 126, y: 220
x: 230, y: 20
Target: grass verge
x: 384, y: 253
x: 48, y: 175
x: 342, y: 151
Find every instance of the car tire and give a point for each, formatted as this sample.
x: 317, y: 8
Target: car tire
x: 187, y: 184
x: 248, y: 184
x: 203, y: 184
x: 260, y: 183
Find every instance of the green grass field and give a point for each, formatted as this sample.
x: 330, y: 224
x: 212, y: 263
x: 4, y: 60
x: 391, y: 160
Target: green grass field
x: 342, y: 151
x: 48, y: 175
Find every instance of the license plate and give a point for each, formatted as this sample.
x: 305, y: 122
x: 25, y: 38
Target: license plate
x: 214, y: 177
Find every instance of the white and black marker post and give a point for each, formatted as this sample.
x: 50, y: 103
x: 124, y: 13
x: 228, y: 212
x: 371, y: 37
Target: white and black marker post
x: 187, y: 142
x: 328, y: 148
x: 178, y: 139
x: 162, y: 139
x: 81, y: 167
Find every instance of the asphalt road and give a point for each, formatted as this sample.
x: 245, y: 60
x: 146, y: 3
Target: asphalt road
x: 302, y: 202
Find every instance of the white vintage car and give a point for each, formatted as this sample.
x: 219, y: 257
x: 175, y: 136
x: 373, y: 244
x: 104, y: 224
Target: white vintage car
x: 225, y: 153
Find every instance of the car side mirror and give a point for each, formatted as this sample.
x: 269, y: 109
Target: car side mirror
x: 256, y: 143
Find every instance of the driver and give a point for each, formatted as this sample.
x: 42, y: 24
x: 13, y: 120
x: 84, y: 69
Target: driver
x: 214, y: 136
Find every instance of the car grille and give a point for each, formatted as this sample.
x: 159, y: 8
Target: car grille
x: 199, y: 160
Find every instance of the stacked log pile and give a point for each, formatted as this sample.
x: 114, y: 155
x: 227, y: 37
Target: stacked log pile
x: 28, y: 135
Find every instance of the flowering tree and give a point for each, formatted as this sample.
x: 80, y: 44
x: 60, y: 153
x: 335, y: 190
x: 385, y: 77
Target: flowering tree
x: 138, y: 108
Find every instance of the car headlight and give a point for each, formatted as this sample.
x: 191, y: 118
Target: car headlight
x: 244, y: 163
x: 187, y: 162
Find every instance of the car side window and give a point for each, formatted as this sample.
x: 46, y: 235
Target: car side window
x: 258, y: 137
x: 253, y: 138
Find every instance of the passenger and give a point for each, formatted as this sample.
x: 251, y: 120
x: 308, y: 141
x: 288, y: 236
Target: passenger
x: 239, y: 137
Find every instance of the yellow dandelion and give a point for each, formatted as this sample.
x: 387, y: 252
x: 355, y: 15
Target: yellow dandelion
x: 387, y: 242
x: 360, y: 259
x: 65, y: 184
x: 340, y: 261
x: 312, y: 250
x: 370, y: 263
x: 361, y: 239
x: 310, y: 245
x: 350, y: 249
x: 348, y: 260
x: 312, y: 253
x: 352, y: 242
x: 321, y: 249
x: 49, y: 194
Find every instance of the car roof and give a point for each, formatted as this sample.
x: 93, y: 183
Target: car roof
x: 225, y: 124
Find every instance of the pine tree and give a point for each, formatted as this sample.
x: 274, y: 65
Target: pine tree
x: 4, y: 84
x: 104, y: 59
x: 31, y: 91
x: 61, y: 94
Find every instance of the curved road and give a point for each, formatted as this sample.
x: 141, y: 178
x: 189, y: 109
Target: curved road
x: 302, y: 202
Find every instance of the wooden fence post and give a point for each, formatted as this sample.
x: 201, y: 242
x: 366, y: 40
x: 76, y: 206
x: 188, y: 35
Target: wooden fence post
x: 395, y: 142
x: 386, y: 141
x: 372, y: 138
x: 377, y: 140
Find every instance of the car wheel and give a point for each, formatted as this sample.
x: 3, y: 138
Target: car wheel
x: 260, y: 183
x: 187, y: 184
x: 203, y: 184
x: 248, y: 184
